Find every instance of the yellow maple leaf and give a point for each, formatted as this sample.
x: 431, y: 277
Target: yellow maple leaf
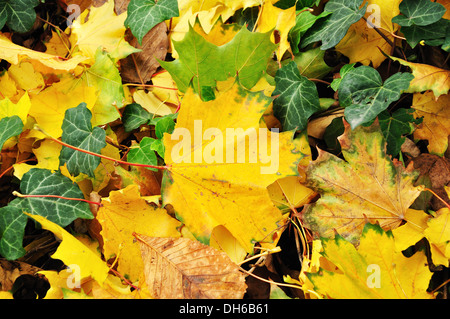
x: 49, y: 106
x: 373, y: 270
x: 14, y: 53
x: 362, y: 42
x: 427, y: 77
x: 124, y: 213
x: 73, y: 252
x: 282, y: 20
x: 436, y: 120
x: 207, y: 190
x: 26, y: 77
x: 104, y: 29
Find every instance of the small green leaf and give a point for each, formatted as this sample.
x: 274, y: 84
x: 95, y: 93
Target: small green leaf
x: 418, y: 12
x: 298, y: 98
x: 9, y: 127
x: 331, y: 29
x: 143, y: 154
x: 143, y: 15
x: 78, y: 132
x: 19, y: 15
x: 165, y: 125
x: 395, y: 126
x: 364, y: 95
x: 344, y: 70
x: 134, y: 116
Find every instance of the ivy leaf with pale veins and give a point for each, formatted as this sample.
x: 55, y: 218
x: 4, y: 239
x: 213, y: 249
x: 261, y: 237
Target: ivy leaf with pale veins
x: 61, y: 211
x: 331, y: 29
x: 364, y: 95
x: 298, y: 98
x: 19, y: 15
x: 143, y: 15
x: 419, y: 12
x: 143, y: 154
x: 9, y: 127
x: 134, y: 115
x: 78, y: 132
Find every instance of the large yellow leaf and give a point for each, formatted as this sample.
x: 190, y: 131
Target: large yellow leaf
x: 73, y: 252
x: 123, y: 213
x: 206, y: 189
x: 49, y: 106
x: 436, y: 120
x: 104, y: 29
x: 14, y: 53
x: 373, y: 270
x: 427, y: 77
x: 367, y: 186
x: 362, y: 42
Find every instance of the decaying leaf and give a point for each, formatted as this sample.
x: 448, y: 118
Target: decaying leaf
x: 182, y: 268
x: 368, y: 186
x: 436, y: 120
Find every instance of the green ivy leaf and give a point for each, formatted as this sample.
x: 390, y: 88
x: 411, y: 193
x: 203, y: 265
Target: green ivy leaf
x: 134, y: 116
x: 298, y: 98
x: 202, y: 63
x: 12, y: 227
x: 395, y: 126
x: 439, y: 30
x: 143, y: 15
x: 78, y: 132
x: 61, y: 211
x: 364, y: 95
x: 419, y: 12
x: 331, y: 29
x: 19, y: 15
x: 143, y: 154
x: 303, y: 21
x: 9, y: 127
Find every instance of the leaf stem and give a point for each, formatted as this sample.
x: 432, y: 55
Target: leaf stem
x: 439, y: 197
x: 99, y: 155
x: 15, y: 193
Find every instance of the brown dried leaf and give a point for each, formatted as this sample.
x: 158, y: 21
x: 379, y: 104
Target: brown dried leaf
x: 11, y: 270
x: 141, y: 65
x: 180, y: 268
